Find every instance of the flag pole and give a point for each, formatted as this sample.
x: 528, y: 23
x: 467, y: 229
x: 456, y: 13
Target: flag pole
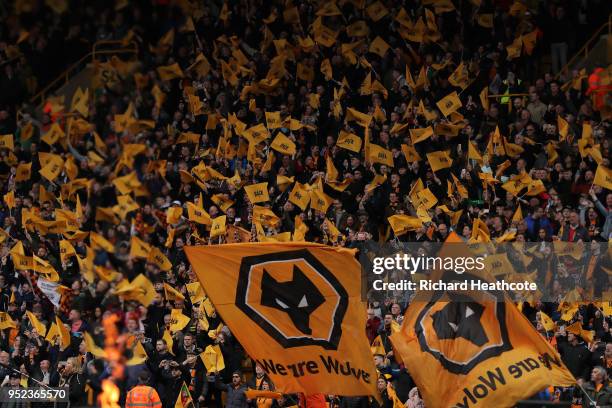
x: 592, y: 402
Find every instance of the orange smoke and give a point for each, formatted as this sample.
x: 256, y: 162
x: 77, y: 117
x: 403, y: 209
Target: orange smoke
x: 114, y: 345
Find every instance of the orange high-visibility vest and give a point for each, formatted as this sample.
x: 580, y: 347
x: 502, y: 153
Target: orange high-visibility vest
x: 597, y: 89
x: 142, y: 396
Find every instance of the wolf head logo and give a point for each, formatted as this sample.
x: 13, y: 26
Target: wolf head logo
x: 474, y: 323
x: 298, y: 297
x: 306, y: 307
x: 460, y: 319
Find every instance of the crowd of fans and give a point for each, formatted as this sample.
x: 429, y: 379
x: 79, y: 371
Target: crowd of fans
x: 162, y: 144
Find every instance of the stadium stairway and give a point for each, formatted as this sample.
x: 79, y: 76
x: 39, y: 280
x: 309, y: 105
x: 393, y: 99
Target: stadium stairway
x: 81, y: 73
x: 596, y: 50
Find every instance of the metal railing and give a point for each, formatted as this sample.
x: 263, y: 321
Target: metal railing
x: 587, y: 47
x: 64, y: 77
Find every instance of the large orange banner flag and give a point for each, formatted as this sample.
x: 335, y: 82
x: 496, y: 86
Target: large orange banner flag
x: 296, y: 309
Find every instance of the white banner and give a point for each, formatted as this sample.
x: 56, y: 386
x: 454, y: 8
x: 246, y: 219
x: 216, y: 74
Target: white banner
x: 50, y: 290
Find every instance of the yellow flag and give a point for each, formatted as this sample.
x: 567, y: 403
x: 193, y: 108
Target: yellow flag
x: 139, y: 248
x: 188, y: 137
x: 319, y: 200
x: 273, y: 120
x: 283, y: 144
x: 139, y: 355
x: 326, y: 69
x: 52, y: 334
x: 325, y: 36
x: 576, y: 328
x: 378, y: 154
x: 331, y: 173
x: 562, y: 127
x: 546, y: 321
x: 37, y: 324
x: 213, y: 359
x: 9, y: 199
x: 218, y: 226
x: 171, y: 293
x: 376, y: 11
x: 404, y: 223
x: 423, y: 199
x: 300, y: 229
x: 379, y: 46
x: 498, y: 264
x: 349, y: 141
x: 358, y: 29
x: 484, y: 98
x: 169, y: 72
x: 64, y: 333
x: 485, y: 20
x: 125, y: 204
x: 27, y: 131
x: 603, y: 177
x: 6, y: 322
x: 92, y: 347
x: 529, y: 41
x: 157, y: 257
x: 299, y: 196
x: 459, y: 77
x: 303, y: 305
x: 178, y: 320
x: 473, y: 153
x: 66, y: 250
x: 518, y: 215
x: 140, y: 289
x: 6, y: 142
x: 24, y: 172
x: 267, y: 166
x: 128, y: 183
x: 173, y: 214
x: 265, y: 216
x: 329, y: 9
x: 208, y: 307
x: 514, y: 49
x: 53, y: 135
x: 411, y: 154
x: 439, y: 160
x: 475, y: 364
x: 513, y: 150
x: 197, y: 214
x: 106, y: 215
x: 257, y: 193
x: 98, y: 241
x: 195, y: 292
x: 222, y: 201
x: 53, y: 168
x: 418, y: 135
x: 516, y: 184
x: 362, y: 119
x: 449, y: 104
x: 305, y: 72
x: 80, y: 101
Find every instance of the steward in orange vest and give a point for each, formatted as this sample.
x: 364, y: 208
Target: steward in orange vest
x: 142, y: 395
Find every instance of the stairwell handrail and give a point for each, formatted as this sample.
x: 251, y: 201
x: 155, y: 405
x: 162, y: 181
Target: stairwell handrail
x: 584, y: 51
x: 39, y: 97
